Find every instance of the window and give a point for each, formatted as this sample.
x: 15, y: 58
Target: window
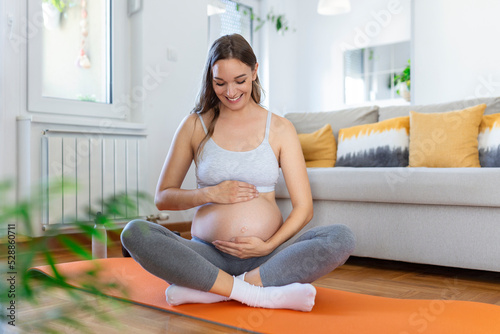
x: 229, y: 17
x: 75, y: 52
x: 75, y: 66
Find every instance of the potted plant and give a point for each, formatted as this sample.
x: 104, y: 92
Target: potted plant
x: 17, y: 215
x: 402, y: 83
x: 52, y: 10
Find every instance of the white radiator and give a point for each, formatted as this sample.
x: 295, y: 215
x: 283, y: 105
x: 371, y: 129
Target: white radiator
x: 97, y: 165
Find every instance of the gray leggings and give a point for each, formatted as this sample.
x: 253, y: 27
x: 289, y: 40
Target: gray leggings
x: 195, y: 263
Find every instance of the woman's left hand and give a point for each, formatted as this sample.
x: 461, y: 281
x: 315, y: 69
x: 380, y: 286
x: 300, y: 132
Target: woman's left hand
x: 244, y: 247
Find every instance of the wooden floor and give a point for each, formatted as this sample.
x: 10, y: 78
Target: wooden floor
x: 361, y: 275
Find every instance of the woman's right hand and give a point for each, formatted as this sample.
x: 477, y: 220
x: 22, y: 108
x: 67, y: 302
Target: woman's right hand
x: 230, y: 191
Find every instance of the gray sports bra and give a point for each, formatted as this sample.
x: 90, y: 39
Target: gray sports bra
x: 258, y: 166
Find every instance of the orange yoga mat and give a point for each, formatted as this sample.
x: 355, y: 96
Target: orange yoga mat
x: 334, y: 311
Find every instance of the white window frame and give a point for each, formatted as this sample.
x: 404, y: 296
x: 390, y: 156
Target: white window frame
x: 120, y: 71
x: 256, y: 36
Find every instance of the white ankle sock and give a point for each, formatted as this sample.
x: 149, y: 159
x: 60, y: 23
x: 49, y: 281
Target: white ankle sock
x: 178, y: 295
x: 295, y: 296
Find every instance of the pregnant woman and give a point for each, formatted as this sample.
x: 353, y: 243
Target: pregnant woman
x: 237, y: 249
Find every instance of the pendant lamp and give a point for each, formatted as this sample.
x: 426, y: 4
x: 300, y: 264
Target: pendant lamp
x: 215, y: 7
x: 334, y: 7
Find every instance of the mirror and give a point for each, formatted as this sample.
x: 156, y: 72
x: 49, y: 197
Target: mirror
x: 369, y: 73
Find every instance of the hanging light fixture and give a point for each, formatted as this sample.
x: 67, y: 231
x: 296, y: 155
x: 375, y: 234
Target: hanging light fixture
x: 334, y: 7
x: 215, y: 7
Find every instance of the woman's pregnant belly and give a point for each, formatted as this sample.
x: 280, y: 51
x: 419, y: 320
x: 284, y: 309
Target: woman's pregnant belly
x: 259, y: 217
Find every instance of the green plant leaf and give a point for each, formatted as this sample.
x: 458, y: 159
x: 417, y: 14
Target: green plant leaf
x: 403, y: 77
x: 73, y: 322
x: 86, y: 228
x: 50, y: 261
x: 75, y: 247
x: 59, y: 4
x: 33, y: 249
x: 279, y: 23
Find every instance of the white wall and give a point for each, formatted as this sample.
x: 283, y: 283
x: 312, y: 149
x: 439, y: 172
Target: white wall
x: 180, y: 27
x: 2, y: 96
x: 12, y: 71
x: 306, y: 67
x: 456, y: 50
x: 280, y: 57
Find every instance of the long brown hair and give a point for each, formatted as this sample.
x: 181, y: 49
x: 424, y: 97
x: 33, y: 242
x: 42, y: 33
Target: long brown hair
x: 226, y: 47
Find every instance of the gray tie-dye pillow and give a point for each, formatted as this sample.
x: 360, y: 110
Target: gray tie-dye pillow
x: 382, y: 144
x: 489, y: 141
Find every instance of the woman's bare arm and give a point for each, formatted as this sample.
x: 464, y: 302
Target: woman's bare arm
x: 295, y: 173
x: 169, y: 195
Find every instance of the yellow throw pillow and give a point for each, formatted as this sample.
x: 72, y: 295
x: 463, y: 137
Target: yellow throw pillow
x: 446, y: 139
x: 319, y: 147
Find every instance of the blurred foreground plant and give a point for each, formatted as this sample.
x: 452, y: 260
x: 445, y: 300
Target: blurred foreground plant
x: 20, y: 253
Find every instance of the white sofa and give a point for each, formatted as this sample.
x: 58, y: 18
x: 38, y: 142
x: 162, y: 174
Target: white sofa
x: 439, y: 216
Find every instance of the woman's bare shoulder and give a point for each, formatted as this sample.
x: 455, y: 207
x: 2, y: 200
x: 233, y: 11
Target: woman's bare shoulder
x: 191, y: 124
x: 282, y: 126
x: 190, y: 120
x: 189, y: 130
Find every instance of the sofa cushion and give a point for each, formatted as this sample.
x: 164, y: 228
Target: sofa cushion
x: 446, y: 139
x: 489, y: 141
x: 492, y: 107
x: 319, y: 147
x: 308, y: 122
x: 382, y: 144
x: 433, y: 186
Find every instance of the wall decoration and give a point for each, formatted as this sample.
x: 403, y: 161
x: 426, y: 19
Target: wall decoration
x: 83, y: 60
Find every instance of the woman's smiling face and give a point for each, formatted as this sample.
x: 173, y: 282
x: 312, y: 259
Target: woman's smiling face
x: 232, y: 82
